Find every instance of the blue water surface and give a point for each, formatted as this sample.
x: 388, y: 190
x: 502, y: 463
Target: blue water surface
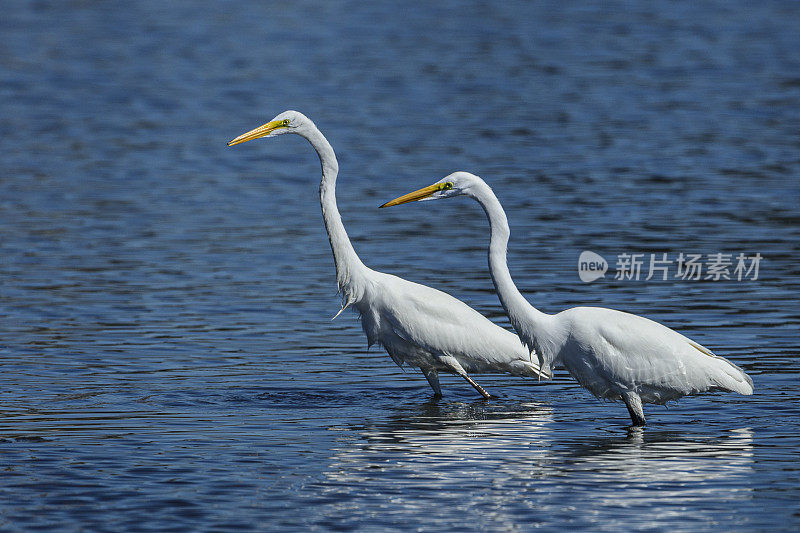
x: 168, y: 359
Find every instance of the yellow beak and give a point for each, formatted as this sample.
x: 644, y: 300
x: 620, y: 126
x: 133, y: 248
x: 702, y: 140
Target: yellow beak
x: 416, y: 195
x: 261, y: 131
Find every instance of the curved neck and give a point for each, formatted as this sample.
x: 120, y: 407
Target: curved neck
x: 513, y: 301
x: 530, y: 323
x: 348, y: 264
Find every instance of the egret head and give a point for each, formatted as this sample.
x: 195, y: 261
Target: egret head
x: 286, y: 122
x: 457, y: 183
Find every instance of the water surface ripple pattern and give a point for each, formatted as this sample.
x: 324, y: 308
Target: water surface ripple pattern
x: 167, y: 352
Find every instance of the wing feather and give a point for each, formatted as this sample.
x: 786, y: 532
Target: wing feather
x: 446, y: 326
x: 658, y: 362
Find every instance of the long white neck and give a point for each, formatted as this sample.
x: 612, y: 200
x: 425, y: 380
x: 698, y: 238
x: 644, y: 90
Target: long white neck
x: 536, y: 329
x: 349, y: 268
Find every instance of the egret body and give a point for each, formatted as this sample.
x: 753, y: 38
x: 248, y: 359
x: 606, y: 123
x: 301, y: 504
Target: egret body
x: 616, y: 355
x: 417, y: 325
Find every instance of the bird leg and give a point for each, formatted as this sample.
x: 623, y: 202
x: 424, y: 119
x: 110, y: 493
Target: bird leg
x: 432, y: 375
x: 634, y: 404
x: 477, y: 387
x: 453, y: 363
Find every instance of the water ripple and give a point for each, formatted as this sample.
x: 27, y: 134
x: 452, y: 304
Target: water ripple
x: 167, y: 351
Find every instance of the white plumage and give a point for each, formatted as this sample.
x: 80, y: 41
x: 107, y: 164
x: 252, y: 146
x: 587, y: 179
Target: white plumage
x: 425, y: 327
x: 417, y: 325
x: 615, y: 355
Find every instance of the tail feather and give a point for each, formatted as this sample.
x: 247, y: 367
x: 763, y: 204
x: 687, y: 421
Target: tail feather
x: 525, y: 368
x: 734, y: 379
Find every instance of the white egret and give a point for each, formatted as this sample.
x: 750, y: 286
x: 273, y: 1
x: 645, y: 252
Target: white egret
x: 417, y: 325
x: 616, y: 355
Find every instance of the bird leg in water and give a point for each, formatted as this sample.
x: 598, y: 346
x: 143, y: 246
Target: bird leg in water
x: 634, y: 404
x: 478, y: 388
x: 432, y: 375
x: 453, y: 363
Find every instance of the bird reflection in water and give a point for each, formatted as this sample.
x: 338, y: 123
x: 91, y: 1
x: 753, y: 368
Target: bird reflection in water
x: 509, y: 459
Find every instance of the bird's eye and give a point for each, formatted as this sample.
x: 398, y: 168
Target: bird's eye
x: 447, y: 186
x: 286, y: 122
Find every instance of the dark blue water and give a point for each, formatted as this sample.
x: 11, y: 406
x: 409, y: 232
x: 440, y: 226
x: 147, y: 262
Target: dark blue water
x: 168, y: 359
